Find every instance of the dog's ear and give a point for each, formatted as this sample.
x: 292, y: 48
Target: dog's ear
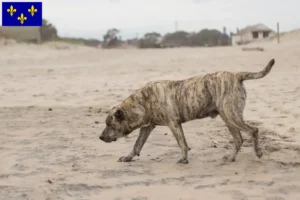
x: 119, y: 114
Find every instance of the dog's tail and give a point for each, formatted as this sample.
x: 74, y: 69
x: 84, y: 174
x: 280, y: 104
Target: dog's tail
x: 256, y: 75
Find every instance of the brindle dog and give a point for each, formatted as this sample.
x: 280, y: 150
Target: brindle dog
x: 171, y: 103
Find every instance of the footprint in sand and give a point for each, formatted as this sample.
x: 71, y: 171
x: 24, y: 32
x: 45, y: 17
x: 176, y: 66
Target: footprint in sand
x: 292, y: 130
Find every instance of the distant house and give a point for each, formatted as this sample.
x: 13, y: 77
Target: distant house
x: 252, y: 33
x: 22, y: 34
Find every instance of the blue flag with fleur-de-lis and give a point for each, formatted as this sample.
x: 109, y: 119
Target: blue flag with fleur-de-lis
x: 22, y: 14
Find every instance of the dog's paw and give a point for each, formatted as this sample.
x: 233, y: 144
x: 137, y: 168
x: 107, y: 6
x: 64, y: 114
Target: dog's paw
x: 259, y: 152
x: 229, y: 158
x: 183, y: 161
x: 125, y: 159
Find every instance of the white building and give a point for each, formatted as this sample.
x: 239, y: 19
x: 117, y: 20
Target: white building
x: 252, y: 33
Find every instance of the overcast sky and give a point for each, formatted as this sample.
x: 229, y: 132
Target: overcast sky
x: 91, y: 18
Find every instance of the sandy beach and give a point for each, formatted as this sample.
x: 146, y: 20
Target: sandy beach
x: 53, y: 103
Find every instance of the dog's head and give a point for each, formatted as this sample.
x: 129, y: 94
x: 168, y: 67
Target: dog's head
x: 117, y: 125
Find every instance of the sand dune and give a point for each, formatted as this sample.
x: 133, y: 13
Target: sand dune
x: 54, y: 100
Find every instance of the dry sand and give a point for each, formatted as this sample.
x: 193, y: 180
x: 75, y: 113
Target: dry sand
x: 53, y: 101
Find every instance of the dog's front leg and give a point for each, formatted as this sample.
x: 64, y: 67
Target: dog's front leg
x: 177, y: 131
x: 143, y: 136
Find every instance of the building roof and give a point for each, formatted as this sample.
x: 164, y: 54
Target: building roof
x: 256, y: 27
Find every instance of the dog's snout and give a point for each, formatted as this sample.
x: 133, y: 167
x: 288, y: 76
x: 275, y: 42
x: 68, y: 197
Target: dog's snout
x: 101, y: 138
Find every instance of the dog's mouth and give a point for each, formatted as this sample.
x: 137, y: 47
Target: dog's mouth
x: 111, y: 140
x: 108, y: 140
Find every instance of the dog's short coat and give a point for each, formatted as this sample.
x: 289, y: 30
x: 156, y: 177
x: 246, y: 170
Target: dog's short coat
x: 171, y: 103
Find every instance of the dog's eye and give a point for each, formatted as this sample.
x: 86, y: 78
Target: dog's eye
x: 107, y: 124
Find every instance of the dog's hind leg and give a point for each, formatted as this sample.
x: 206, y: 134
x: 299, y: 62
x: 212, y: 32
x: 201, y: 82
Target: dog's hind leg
x: 177, y: 131
x: 238, y: 141
x: 234, y: 119
x: 143, y: 136
x: 253, y: 131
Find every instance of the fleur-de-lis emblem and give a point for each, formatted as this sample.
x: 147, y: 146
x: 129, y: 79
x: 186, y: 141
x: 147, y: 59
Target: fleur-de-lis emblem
x: 32, y: 10
x: 11, y: 10
x: 22, y: 18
